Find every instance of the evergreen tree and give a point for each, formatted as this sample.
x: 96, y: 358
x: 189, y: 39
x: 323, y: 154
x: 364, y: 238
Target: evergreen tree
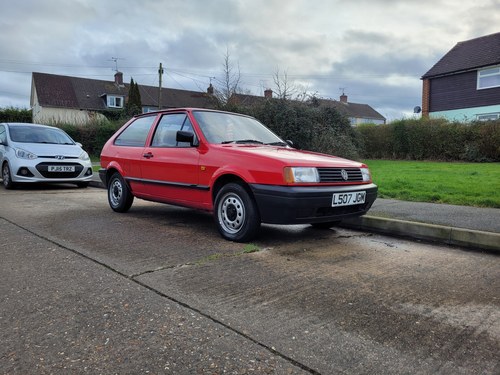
x: 134, y: 105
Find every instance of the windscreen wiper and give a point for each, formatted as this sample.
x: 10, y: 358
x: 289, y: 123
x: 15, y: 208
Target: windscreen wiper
x: 279, y: 143
x: 240, y: 141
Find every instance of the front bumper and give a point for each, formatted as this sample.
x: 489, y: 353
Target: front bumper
x: 305, y: 205
x: 39, y: 172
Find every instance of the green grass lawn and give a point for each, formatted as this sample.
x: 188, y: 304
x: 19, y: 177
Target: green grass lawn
x: 467, y: 184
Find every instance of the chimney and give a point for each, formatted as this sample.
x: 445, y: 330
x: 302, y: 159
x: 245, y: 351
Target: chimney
x: 210, y: 90
x: 119, y: 78
x: 268, y: 93
x: 343, y: 98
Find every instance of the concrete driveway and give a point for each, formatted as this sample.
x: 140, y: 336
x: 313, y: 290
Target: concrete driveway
x: 156, y: 290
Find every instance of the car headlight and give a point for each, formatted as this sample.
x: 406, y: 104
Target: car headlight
x: 84, y: 156
x: 301, y: 175
x: 23, y: 154
x: 365, y: 172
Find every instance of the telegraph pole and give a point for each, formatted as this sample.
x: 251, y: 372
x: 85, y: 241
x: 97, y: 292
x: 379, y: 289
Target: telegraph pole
x: 160, y: 73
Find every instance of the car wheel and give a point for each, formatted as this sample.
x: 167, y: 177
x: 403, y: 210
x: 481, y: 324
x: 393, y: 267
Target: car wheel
x: 236, y: 213
x: 326, y: 225
x: 83, y: 184
x: 119, y: 196
x: 7, y: 177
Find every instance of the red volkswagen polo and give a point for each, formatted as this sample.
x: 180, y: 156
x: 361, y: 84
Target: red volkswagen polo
x: 233, y: 166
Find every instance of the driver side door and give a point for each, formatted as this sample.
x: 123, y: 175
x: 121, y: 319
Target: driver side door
x: 171, y: 168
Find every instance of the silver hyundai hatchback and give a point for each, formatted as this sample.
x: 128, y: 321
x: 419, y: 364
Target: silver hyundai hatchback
x: 32, y: 153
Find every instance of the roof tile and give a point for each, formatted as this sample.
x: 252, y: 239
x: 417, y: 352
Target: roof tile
x: 470, y: 54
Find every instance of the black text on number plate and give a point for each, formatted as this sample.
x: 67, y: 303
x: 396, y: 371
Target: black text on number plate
x: 348, y: 199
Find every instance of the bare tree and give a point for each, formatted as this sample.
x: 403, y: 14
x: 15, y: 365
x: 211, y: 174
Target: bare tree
x: 289, y: 90
x: 283, y: 88
x: 230, y: 83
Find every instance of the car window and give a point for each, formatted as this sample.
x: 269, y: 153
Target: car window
x: 226, y: 127
x: 166, y: 131
x: 136, y: 133
x: 39, y: 134
x: 3, y: 135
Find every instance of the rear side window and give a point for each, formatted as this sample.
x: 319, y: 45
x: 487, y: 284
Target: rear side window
x: 136, y: 133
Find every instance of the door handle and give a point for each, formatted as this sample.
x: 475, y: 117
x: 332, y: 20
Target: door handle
x: 148, y: 155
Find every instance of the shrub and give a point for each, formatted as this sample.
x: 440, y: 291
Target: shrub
x: 432, y: 139
x: 94, y: 135
x: 12, y: 114
x: 310, y: 127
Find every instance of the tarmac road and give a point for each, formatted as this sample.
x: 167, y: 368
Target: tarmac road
x: 156, y: 290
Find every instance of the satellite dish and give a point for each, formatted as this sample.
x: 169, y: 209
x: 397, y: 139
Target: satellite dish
x: 417, y: 109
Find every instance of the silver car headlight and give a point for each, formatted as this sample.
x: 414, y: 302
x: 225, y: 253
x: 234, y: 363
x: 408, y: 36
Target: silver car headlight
x: 365, y: 172
x: 301, y: 175
x: 84, y: 156
x: 23, y: 154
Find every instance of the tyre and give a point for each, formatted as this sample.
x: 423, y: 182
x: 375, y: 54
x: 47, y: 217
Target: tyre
x: 236, y: 213
x: 326, y: 225
x: 119, y: 196
x: 7, y: 177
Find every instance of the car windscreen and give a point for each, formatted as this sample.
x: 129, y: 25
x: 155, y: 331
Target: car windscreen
x: 221, y: 127
x: 38, y: 134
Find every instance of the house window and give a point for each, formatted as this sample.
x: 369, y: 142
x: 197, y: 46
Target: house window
x: 488, y: 116
x: 115, y: 101
x: 488, y: 78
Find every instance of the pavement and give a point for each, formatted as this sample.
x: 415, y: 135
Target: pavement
x: 464, y: 226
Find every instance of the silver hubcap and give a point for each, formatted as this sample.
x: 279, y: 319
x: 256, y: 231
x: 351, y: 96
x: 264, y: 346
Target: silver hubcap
x: 115, y: 192
x: 231, y: 213
x: 6, y: 175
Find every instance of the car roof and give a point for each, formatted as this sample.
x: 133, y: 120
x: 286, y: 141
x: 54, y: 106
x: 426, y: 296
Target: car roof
x: 189, y: 109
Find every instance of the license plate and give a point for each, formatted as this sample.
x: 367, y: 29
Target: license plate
x: 61, y: 168
x: 348, y: 199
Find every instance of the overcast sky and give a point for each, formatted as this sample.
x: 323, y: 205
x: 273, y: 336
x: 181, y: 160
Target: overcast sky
x: 374, y: 50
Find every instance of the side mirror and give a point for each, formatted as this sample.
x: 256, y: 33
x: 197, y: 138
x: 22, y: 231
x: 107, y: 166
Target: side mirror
x: 183, y: 136
x: 289, y: 142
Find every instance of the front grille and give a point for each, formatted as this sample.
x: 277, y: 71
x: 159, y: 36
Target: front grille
x: 55, y: 157
x: 335, y: 175
x: 44, y: 170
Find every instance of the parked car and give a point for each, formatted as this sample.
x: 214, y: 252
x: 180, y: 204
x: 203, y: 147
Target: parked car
x: 233, y: 166
x: 38, y: 153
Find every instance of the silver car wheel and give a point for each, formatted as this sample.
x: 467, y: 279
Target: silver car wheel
x: 231, y: 213
x: 115, y: 192
x: 120, y: 197
x: 6, y: 177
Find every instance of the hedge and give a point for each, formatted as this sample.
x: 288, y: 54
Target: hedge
x: 432, y: 139
x: 94, y: 135
x: 12, y: 114
x: 323, y: 129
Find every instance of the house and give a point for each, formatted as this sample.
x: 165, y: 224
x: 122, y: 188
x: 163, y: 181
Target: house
x: 465, y: 84
x: 355, y: 112
x: 63, y: 99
